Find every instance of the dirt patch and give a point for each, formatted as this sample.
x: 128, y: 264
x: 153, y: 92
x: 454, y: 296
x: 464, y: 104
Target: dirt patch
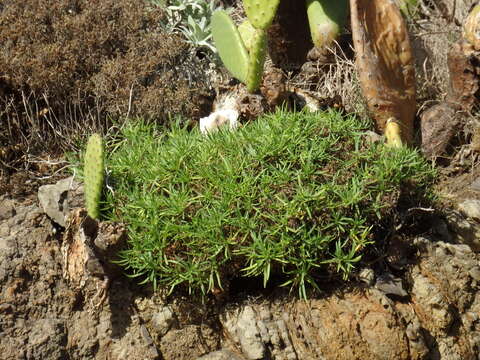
x: 427, y: 306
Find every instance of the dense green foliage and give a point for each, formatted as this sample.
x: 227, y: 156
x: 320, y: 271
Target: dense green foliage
x: 292, y: 193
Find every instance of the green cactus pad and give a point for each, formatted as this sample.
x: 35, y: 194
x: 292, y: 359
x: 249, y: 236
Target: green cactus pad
x: 230, y: 45
x: 260, y: 13
x: 257, y: 60
x: 247, y: 32
x: 326, y: 19
x: 93, y: 175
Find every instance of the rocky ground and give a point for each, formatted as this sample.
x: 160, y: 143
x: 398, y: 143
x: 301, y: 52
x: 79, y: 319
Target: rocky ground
x: 61, y: 299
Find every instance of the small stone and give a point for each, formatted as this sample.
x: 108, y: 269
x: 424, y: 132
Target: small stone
x: 249, y: 335
x: 367, y: 276
x: 464, y: 231
x: 390, y: 285
x: 146, y: 335
x: 474, y: 273
x: 163, y: 320
x: 53, y: 200
x: 373, y: 137
x: 470, y: 208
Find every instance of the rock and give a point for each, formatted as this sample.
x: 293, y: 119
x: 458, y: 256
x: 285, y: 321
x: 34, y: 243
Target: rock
x: 220, y: 355
x: 417, y: 344
x: 373, y: 137
x: 243, y: 327
x: 163, y: 320
x: 445, y: 294
x: 439, y: 321
x: 438, y: 125
x: 463, y: 231
x: 390, y: 285
x: 470, y: 208
x: 367, y: 276
x: 54, y: 199
x: 435, y: 305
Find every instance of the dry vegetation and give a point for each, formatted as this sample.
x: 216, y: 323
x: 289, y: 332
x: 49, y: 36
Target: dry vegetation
x: 67, y: 66
x: 436, y: 26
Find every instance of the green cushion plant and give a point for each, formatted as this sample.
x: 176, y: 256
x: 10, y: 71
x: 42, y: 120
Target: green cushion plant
x: 292, y: 194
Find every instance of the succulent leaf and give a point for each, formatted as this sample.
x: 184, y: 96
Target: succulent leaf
x: 256, y: 60
x: 247, y: 32
x: 230, y: 46
x: 326, y: 19
x: 94, y: 174
x: 260, y: 13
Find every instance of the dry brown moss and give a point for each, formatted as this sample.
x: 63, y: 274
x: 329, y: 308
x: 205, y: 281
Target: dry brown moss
x: 62, y: 58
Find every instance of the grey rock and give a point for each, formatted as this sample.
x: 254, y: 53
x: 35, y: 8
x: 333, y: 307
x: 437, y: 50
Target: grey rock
x: 470, y: 208
x: 464, y: 231
x: 146, y: 335
x: 53, y: 200
x: 243, y: 327
x: 418, y: 348
x: 163, y: 320
x: 249, y: 335
x: 389, y: 284
x: 220, y: 355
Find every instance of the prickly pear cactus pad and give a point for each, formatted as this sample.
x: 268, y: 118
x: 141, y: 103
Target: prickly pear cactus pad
x: 260, y: 13
x: 256, y: 60
x: 94, y: 173
x: 326, y: 19
x: 230, y: 45
x: 247, y: 32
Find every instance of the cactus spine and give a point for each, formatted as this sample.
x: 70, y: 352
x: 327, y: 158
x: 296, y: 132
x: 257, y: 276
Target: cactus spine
x: 94, y: 174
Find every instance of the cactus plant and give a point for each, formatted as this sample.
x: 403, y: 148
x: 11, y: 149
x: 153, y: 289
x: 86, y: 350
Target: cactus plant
x: 384, y: 56
x: 261, y: 12
x: 326, y: 19
x: 93, y: 175
x: 245, y: 65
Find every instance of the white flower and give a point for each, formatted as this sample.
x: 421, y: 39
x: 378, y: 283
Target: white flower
x: 219, y: 118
